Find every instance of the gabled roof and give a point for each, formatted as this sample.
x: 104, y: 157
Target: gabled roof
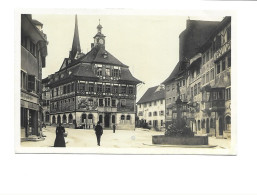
x: 152, y: 94
x: 100, y: 55
x: 173, y: 74
x: 127, y: 76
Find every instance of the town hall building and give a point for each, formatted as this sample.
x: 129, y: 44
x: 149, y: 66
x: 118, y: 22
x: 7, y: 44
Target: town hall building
x: 93, y: 87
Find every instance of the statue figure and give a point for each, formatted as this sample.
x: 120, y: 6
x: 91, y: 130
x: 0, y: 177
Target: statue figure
x: 178, y: 90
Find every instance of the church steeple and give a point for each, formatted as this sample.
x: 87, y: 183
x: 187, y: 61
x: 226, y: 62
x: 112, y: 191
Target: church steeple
x: 75, y: 44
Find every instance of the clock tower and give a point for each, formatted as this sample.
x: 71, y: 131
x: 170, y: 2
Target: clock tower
x: 99, y: 38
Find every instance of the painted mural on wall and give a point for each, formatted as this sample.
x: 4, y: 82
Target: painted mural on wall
x: 86, y: 103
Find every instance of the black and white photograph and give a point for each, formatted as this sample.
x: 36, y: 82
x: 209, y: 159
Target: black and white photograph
x: 128, y: 97
x: 97, y: 82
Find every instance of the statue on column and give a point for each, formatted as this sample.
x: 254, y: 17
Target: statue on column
x: 178, y: 90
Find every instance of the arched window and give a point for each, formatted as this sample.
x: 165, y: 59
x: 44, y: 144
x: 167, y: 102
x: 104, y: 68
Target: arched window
x: 47, y: 116
x: 70, y: 118
x: 64, y: 119
x: 128, y: 117
x: 199, y: 123
x: 90, y: 118
x: 228, y: 123
x: 122, y: 117
x: 53, y: 119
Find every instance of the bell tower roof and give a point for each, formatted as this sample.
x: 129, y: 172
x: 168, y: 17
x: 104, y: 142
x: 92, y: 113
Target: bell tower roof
x: 99, y: 38
x: 76, y: 43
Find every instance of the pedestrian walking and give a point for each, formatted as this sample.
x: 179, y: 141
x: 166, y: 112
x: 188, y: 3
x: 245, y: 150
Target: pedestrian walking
x: 98, y: 132
x: 59, y: 140
x: 114, y: 127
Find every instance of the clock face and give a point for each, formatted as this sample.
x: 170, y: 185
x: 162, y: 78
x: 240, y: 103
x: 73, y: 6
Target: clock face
x: 101, y: 41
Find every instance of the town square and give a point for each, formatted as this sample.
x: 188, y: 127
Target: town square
x: 87, y: 96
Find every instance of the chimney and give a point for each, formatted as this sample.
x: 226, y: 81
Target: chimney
x: 92, y: 45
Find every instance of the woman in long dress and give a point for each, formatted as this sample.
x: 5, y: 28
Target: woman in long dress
x: 59, y: 140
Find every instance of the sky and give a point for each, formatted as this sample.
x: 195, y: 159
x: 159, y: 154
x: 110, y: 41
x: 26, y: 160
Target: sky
x: 148, y: 44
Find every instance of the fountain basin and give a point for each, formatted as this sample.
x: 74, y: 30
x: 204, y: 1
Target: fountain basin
x: 168, y: 140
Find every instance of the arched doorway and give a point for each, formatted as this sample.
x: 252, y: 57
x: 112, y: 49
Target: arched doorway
x: 128, y: 119
x: 228, y: 123
x: 47, y: 117
x: 101, y: 118
x: 70, y: 118
x: 207, y: 126
x: 107, y: 120
x: 53, y: 120
x: 64, y: 119
x: 203, y: 124
x: 90, y: 118
x: 122, y: 118
x: 113, y: 119
x: 211, y: 123
x: 83, y: 118
x: 221, y: 126
x: 58, y: 119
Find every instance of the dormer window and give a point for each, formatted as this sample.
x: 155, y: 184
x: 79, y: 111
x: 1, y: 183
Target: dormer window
x: 99, y: 71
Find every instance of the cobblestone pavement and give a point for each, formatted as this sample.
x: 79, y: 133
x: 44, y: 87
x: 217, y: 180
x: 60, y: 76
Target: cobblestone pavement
x: 140, y: 138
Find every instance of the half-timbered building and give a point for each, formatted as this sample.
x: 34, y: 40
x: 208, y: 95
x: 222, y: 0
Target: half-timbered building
x: 93, y: 87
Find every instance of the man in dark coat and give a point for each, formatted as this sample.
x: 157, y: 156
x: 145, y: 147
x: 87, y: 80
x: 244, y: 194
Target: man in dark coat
x: 98, y: 132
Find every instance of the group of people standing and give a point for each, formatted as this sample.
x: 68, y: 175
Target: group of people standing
x: 60, y: 131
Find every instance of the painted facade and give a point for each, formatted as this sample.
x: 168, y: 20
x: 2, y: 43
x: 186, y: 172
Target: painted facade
x: 93, y: 87
x: 207, y: 74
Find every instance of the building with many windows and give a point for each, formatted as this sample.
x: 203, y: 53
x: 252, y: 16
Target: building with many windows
x: 195, y: 35
x: 45, y: 101
x: 151, y: 107
x: 33, y: 54
x: 207, y: 89
x: 93, y: 87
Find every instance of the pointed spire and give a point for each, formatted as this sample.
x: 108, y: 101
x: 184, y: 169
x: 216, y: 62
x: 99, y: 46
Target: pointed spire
x: 75, y: 44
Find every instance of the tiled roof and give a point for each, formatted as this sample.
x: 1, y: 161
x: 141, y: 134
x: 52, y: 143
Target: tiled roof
x: 221, y: 25
x: 152, y: 95
x: 100, y: 55
x: 82, y: 70
x: 127, y: 76
x: 173, y: 74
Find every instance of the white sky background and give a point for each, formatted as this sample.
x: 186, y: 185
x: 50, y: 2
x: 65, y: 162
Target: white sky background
x: 148, y: 44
